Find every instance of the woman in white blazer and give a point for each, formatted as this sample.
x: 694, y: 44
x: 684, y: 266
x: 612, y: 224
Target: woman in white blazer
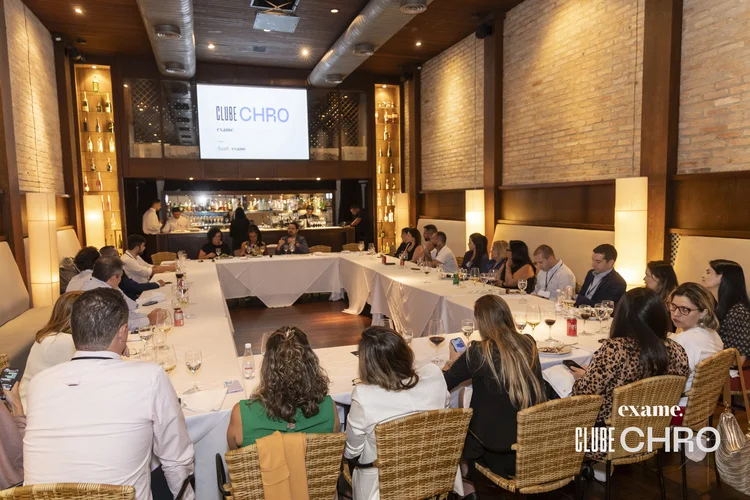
x: 389, y: 388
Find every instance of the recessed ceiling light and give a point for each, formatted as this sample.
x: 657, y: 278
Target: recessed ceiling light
x: 211, y: 46
x: 78, y: 10
x: 257, y: 179
x: 334, y: 11
x: 385, y: 86
x: 267, y: 31
x: 305, y: 52
x: 418, y: 44
x: 190, y: 178
x: 125, y: 85
x: 93, y: 67
x: 317, y: 178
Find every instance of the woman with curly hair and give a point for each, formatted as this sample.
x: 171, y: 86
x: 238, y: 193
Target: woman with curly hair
x: 292, y: 395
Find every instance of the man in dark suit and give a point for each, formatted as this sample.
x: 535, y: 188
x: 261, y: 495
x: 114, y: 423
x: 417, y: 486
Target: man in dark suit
x: 602, y: 282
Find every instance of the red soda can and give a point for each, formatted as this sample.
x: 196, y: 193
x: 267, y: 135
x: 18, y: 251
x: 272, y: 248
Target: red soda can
x: 179, y: 318
x: 572, y: 327
x: 384, y: 259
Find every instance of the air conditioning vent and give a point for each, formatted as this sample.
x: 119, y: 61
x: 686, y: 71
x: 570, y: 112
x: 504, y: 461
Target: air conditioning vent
x: 363, y: 49
x: 174, y: 68
x: 260, y: 48
x: 276, y: 5
x: 334, y: 78
x: 168, y: 31
x: 413, y: 7
x: 273, y: 20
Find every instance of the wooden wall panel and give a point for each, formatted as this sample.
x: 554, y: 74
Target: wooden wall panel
x: 584, y: 205
x: 448, y: 205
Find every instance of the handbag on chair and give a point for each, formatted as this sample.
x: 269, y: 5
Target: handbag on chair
x: 733, y: 454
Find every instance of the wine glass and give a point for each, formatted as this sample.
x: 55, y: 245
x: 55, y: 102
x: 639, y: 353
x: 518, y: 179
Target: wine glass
x: 474, y: 276
x: 164, y: 321
x: 193, y: 361
x: 408, y: 335
x: 520, y: 320
x: 371, y: 248
x: 437, y: 336
x: 585, y: 312
x: 522, y: 286
x: 145, y: 334
x: 361, y: 246
x: 147, y: 355
x: 485, y: 279
x: 533, y: 316
x: 426, y: 269
x: 610, y: 305
x: 467, y: 327
x: 550, y: 318
x: 167, y: 358
x: 159, y: 339
x: 600, y: 312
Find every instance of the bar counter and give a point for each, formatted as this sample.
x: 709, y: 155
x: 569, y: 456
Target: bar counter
x: 191, y: 242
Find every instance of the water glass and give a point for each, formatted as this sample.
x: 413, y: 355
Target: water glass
x: 193, y: 361
x: 167, y: 358
x: 467, y: 327
x: 361, y: 246
x: 145, y: 334
x: 159, y: 339
x: 147, y: 355
x: 408, y: 335
x: 371, y: 248
x: 475, y: 277
x: 522, y: 286
x: 520, y: 321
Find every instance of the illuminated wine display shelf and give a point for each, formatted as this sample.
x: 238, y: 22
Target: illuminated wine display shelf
x: 388, y: 164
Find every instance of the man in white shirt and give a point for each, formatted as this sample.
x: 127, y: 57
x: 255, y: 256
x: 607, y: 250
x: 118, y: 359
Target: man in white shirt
x: 107, y: 273
x: 177, y: 222
x: 137, y: 268
x: 553, y: 274
x: 84, y: 261
x: 100, y: 419
x: 443, y: 255
x: 151, y: 222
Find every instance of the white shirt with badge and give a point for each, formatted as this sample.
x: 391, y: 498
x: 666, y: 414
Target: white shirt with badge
x: 557, y: 278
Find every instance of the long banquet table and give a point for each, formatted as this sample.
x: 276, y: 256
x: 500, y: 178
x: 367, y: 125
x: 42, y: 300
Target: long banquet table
x: 408, y: 297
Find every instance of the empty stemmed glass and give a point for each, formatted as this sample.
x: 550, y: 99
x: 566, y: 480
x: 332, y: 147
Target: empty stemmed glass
x: 371, y: 248
x: 467, y: 327
x: 522, y: 286
x: 585, y: 312
x: 610, y: 305
x: 426, y: 269
x: 193, y: 361
x: 436, y: 335
x: 408, y: 335
x: 533, y: 317
x: 145, y: 334
x: 485, y: 279
x: 600, y: 311
x: 520, y: 320
x: 361, y: 246
x: 475, y: 277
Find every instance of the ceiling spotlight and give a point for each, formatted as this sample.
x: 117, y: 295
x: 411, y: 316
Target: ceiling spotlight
x: 418, y: 44
x: 385, y: 86
x: 317, y: 178
x: 78, y: 10
x: 305, y: 52
x: 190, y: 178
x: 58, y: 38
x: 211, y: 46
x: 334, y: 11
x: 257, y: 179
x: 267, y: 31
x: 125, y: 85
x: 93, y: 67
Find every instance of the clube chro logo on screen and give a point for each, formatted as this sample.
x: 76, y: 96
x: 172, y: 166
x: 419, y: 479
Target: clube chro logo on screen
x: 635, y: 440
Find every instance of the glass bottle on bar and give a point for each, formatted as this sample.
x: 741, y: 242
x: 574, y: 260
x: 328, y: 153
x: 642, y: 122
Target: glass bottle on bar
x: 85, y: 125
x: 386, y: 136
x: 109, y: 204
x: 100, y: 145
x: 85, y: 184
x: 90, y: 145
x: 95, y: 84
x: 111, y: 145
x: 380, y: 167
x: 386, y: 184
x: 107, y: 105
x: 85, y: 104
x: 112, y: 220
x: 109, y: 165
x: 390, y: 151
x: 99, y: 105
x: 99, y: 185
x: 93, y: 166
x: 98, y: 126
x: 390, y: 168
x: 111, y: 127
x: 380, y: 152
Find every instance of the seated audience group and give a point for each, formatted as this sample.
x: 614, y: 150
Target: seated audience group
x: 79, y: 403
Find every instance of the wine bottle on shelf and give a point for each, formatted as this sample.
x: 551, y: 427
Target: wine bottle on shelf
x: 109, y: 165
x: 112, y: 221
x: 109, y: 204
x: 380, y: 215
x: 111, y: 145
x: 390, y: 168
x: 93, y: 166
x: 99, y: 185
x: 111, y: 127
x: 385, y: 133
x: 380, y: 152
x: 99, y: 105
x: 85, y: 184
x: 386, y: 184
x: 390, y: 216
x: 119, y: 240
x: 102, y: 198
x: 85, y: 125
x: 95, y: 84
x: 388, y: 199
x: 385, y: 117
x: 98, y: 126
x: 90, y: 145
x: 379, y: 200
x: 107, y: 105
x: 379, y: 186
x: 390, y: 151
x: 100, y: 145
x: 85, y: 104
x: 380, y: 168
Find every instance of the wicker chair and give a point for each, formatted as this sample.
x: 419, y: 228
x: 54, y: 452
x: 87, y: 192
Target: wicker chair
x: 322, y: 461
x: 664, y: 390
x: 320, y: 249
x: 709, y: 379
x: 409, y: 467
x: 546, y: 456
x: 69, y: 491
x: 352, y: 247
x: 159, y: 257
x: 4, y: 361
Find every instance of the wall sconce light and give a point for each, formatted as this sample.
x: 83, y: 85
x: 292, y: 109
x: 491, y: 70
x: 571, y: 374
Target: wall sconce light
x: 94, y: 221
x: 44, y: 265
x: 474, y: 212
x: 631, y: 221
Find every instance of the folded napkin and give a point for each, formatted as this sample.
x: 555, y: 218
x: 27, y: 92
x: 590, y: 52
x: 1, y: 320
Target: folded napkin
x: 205, y: 400
x: 560, y: 378
x: 156, y: 296
x: 282, y: 466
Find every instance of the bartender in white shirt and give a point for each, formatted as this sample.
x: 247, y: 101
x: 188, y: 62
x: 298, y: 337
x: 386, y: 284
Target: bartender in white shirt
x: 100, y: 419
x: 553, y: 274
x: 138, y: 269
x: 177, y: 222
x: 151, y: 222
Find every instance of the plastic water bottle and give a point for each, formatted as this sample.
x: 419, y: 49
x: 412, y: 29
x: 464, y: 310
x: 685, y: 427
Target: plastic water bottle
x: 248, y: 362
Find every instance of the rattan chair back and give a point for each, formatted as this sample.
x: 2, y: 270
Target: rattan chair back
x: 351, y: 247
x: 418, y: 454
x: 159, y: 257
x: 4, y: 361
x: 322, y: 461
x: 711, y: 375
x: 69, y: 491
x: 320, y: 249
x: 656, y: 393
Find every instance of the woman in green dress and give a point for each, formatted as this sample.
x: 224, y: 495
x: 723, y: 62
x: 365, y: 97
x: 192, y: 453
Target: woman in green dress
x: 292, y: 395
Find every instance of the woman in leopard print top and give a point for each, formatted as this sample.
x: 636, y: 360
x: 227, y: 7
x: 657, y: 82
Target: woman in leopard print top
x: 638, y: 348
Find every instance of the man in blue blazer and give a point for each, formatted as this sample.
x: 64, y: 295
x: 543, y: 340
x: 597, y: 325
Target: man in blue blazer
x: 602, y: 282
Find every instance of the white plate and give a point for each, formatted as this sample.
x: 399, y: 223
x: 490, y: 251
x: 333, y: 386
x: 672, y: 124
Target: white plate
x: 562, y: 352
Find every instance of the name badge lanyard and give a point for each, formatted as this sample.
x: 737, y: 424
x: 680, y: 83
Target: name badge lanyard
x: 548, y: 277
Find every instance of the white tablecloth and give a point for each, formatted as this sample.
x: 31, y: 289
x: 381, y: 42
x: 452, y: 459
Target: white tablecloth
x: 280, y: 280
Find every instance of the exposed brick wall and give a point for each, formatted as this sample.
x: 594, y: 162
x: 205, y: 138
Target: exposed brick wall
x: 34, y: 93
x: 572, y: 90
x: 452, y: 117
x: 715, y: 87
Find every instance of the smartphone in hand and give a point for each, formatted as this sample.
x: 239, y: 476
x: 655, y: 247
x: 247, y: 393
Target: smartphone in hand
x: 458, y: 345
x: 572, y: 364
